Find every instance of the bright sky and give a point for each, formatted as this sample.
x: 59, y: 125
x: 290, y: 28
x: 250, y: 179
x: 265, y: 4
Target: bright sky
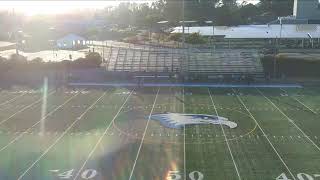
x: 249, y: 1
x: 55, y: 7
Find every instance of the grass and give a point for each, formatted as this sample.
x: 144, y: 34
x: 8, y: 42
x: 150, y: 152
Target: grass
x: 97, y: 134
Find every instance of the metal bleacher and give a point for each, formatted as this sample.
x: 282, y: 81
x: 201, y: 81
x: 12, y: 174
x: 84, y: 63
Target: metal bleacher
x: 139, y: 60
x: 225, y: 62
x: 191, y: 61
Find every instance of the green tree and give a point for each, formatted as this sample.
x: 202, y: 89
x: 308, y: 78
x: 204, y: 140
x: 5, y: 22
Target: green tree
x: 195, y: 38
x: 277, y: 7
x: 248, y: 12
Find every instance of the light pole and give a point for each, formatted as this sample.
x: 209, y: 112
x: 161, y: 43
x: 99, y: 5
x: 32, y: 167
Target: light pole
x: 161, y: 25
x: 211, y: 22
x: 16, y: 41
x: 183, y: 38
x: 53, y: 41
x: 278, y: 44
x: 280, y: 20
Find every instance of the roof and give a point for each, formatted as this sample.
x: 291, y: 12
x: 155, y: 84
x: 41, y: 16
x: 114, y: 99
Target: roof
x: 257, y: 31
x: 5, y: 44
x: 71, y: 37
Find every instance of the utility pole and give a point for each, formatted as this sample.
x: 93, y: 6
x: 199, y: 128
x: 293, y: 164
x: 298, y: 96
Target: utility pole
x: 15, y: 31
x: 183, y: 25
x: 212, y: 38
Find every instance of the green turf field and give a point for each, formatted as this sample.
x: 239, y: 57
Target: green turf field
x: 109, y: 134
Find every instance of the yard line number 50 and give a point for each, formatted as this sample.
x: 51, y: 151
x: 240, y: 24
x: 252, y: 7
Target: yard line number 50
x: 176, y: 175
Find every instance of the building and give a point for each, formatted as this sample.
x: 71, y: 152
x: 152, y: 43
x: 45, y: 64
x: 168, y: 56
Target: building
x: 274, y: 31
x: 304, y: 12
x: 306, y: 9
x: 6, y: 45
x: 290, y: 35
x: 71, y: 41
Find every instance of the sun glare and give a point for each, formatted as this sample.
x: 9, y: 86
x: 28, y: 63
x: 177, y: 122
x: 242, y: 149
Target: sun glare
x: 31, y: 8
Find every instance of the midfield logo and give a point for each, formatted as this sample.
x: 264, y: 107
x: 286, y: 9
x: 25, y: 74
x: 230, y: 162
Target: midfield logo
x: 177, y: 120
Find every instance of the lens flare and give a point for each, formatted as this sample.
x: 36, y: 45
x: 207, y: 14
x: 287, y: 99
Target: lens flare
x: 44, y: 105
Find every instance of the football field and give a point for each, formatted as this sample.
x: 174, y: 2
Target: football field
x: 156, y: 133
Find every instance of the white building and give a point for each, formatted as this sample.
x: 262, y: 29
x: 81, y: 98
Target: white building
x: 274, y: 31
x: 71, y: 41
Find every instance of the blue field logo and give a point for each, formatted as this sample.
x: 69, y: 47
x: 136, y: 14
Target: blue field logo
x: 177, y: 120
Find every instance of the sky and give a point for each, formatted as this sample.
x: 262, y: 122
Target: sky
x: 249, y: 1
x: 55, y: 7
x: 31, y: 8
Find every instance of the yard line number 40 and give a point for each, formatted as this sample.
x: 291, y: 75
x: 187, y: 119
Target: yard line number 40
x: 86, y: 174
x: 300, y: 176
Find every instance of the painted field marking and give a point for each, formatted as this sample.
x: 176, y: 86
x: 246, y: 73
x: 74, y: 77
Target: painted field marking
x: 54, y: 170
x: 59, y: 138
x: 300, y: 102
x: 184, y: 140
x: 12, y: 99
x: 21, y: 110
x: 265, y: 135
x: 144, y: 134
x: 289, y: 119
x: 26, y: 131
x: 101, y: 137
x: 225, y: 137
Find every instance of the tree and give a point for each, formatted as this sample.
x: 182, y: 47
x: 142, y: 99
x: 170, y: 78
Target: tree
x: 92, y: 60
x: 277, y: 7
x: 248, y: 12
x: 227, y: 16
x: 195, y: 38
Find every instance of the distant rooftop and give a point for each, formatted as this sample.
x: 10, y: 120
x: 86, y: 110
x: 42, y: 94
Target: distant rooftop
x: 257, y: 31
x: 4, y: 43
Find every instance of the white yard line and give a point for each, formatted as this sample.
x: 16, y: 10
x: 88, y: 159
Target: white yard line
x: 290, y: 120
x: 21, y: 110
x: 225, y: 137
x: 144, y: 134
x: 184, y: 139
x: 35, y: 124
x: 300, y: 102
x: 59, y: 138
x: 265, y: 135
x: 12, y: 99
x: 104, y: 134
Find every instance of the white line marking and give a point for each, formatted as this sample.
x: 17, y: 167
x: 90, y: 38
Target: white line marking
x: 21, y: 110
x: 26, y: 131
x: 300, y: 102
x: 101, y: 137
x: 54, y: 170
x: 225, y: 137
x: 58, y: 139
x: 289, y: 119
x: 265, y: 135
x: 13, y: 99
x: 144, y: 134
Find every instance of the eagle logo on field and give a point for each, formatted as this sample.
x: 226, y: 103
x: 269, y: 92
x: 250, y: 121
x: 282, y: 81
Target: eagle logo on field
x: 177, y: 120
